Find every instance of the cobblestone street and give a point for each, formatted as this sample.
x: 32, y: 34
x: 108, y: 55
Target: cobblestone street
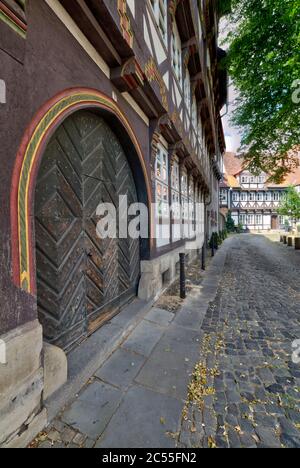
x: 245, y: 390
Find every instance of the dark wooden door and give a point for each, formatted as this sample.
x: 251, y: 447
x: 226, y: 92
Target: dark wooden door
x: 274, y: 223
x: 82, y: 280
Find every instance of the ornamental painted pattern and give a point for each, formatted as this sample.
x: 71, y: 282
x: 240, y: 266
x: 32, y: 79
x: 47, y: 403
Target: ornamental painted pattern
x: 152, y: 74
x: 173, y: 7
x: 125, y: 22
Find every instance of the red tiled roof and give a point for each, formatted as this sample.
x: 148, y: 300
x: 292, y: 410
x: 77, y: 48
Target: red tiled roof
x: 234, y: 165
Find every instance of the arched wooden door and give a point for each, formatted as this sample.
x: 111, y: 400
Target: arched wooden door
x: 82, y: 281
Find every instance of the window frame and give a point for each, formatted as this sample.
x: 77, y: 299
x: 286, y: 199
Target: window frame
x: 176, y: 53
x: 192, y: 206
x: 160, y: 11
x: 175, y: 189
x: 162, y: 181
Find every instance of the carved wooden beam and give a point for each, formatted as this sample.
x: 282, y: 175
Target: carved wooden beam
x: 128, y: 77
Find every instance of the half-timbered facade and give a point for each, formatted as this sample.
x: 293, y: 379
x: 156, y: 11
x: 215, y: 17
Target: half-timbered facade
x: 99, y: 99
x: 252, y: 199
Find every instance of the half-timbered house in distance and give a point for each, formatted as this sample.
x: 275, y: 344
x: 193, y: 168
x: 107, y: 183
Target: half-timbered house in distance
x: 98, y: 98
x: 253, y: 200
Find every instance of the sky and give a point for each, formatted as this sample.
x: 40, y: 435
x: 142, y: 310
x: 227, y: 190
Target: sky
x: 232, y: 135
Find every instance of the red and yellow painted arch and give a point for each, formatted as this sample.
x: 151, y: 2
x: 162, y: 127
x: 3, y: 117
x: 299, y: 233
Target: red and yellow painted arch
x: 36, y: 137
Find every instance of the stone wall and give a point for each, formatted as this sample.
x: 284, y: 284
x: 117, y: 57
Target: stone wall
x: 21, y: 386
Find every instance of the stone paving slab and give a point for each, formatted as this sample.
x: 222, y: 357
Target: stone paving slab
x: 168, y: 369
x: 121, y: 369
x: 92, y: 410
x: 144, y: 338
x: 160, y: 317
x: 88, y: 357
x: 192, y: 314
x: 145, y: 419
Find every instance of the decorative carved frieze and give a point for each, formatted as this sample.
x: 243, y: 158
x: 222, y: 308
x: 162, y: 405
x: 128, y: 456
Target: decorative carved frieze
x: 152, y: 74
x: 129, y: 76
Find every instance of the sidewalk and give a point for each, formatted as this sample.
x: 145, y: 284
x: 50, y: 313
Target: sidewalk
x: 136, y: 399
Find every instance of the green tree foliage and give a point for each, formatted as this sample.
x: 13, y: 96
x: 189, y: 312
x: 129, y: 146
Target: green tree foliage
x: 264, y: 63
x: 290, y: 205
x: 230, y: 226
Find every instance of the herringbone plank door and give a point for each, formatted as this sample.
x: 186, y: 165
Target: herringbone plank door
x: 60, y: 251
x: 82, y: 280
x: 107, y: 176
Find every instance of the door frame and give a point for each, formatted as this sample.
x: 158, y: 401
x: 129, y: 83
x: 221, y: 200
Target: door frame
x: 27, y: 164
x: 274, y: 219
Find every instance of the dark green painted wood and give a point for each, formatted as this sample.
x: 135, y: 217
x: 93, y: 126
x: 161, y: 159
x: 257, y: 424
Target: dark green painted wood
x: 82, y: 280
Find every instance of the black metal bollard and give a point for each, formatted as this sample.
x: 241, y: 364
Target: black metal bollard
x: 182, y: 276
x: 203, y: 257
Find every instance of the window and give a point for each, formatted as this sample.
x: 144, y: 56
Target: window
x: 260, y: 197
x: 185, y: 203
x: 160, y: 9
x: 223, y: 197
x: 235, y: 197
x: 184, y: 184
x: 250, y: 220
x: 258, y: 219
x: 243, y: 219
x: 192, y: 213
x: 243, y: 197
x: 162, y: 182
x: 187, y: 91
x: 176, y: 208
x: 276, y: 196
x: 175, y: 177
x: 162, y: 197
x: 176, y: 53
x: 252, y: 196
